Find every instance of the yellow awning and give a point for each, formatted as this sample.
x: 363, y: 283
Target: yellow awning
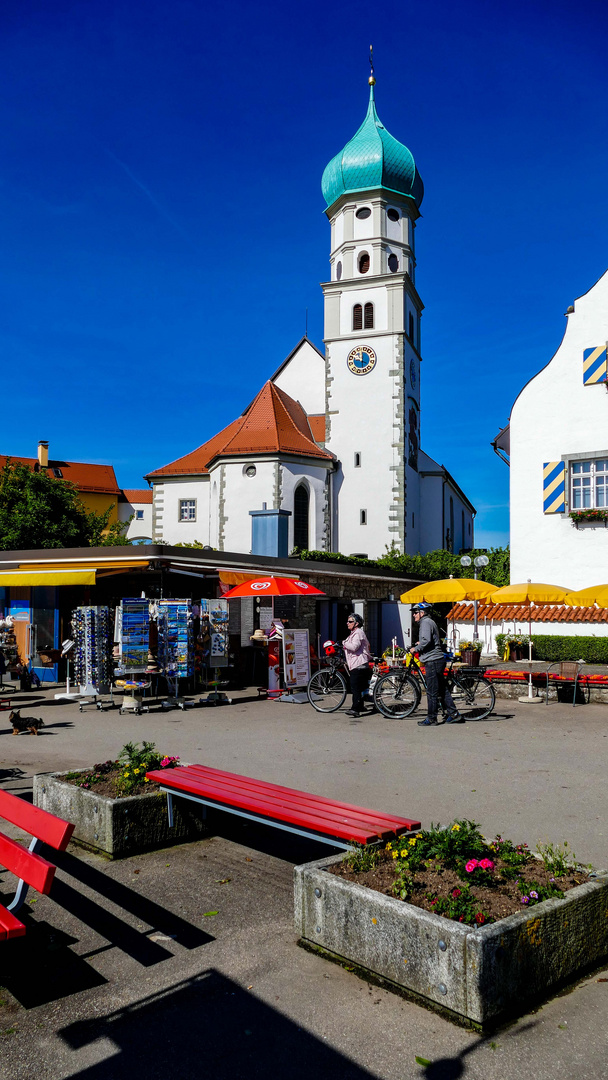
x: 85, y: 564
x: 47, y: 577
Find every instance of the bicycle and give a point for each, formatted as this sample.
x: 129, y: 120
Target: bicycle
x: 398, y: 694
x: 328, y: 687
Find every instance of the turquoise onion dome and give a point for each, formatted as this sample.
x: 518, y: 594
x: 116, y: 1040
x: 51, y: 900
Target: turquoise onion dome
x: 372, y: 159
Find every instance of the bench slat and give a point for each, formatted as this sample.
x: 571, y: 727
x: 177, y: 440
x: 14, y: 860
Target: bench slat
x: 10, y: 927
x: 317, y: 801
x: 37, y: 822
x: 280, y: 798
x: 26, y: 864
x: 330, y: 820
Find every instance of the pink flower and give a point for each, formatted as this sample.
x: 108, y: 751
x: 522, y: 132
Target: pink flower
x: 486, y: 864
x: 455, y: 893
x: 525, y: 899
x: 471, y: 865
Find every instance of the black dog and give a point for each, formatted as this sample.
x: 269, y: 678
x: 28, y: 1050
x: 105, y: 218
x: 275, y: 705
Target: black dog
x: 24, y: 723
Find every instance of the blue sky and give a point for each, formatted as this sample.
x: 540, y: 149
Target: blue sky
x: 163, y: 227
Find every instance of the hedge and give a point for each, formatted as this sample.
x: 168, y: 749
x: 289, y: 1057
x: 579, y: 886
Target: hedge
x: 554, y: 647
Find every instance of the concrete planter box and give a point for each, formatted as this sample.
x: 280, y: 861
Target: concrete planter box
x: 118, y: 827
x: 478, y: 976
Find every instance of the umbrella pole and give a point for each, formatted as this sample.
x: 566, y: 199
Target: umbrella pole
x: 529, y: 699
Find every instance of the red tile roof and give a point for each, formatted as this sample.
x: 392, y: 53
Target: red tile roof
x: 85, y: 476
x: 526, y: 613
x: 317, y: 426
x: 138, y: 495
x: 273, y: 423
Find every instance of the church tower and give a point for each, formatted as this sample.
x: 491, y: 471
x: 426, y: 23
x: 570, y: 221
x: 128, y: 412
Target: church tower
x: 373, y: 193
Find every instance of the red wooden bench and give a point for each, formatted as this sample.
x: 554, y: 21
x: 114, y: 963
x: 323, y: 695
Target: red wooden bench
x: 27, y: 865
x: 335, y: 823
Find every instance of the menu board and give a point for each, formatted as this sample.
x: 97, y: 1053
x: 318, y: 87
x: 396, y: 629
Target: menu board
x: 296, y: 658
x: 214, y: 632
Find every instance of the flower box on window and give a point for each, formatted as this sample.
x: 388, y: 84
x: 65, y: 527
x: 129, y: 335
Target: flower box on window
x: 596, y: 516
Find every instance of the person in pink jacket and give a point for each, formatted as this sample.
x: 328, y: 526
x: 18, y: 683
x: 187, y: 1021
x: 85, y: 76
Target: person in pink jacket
x: 358, y: 655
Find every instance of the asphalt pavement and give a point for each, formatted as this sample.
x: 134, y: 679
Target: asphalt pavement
x: 185, y: 961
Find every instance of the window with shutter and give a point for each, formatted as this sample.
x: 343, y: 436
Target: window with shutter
x: 369, y: 317
x: 357, y: 317
x: 595, y: 365
x: 554, y: 487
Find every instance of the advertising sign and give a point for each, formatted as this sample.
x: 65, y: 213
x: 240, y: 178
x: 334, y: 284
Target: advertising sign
x: 296, y: 658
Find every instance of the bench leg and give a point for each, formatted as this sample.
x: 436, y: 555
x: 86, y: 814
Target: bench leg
x: 170, y: 809
x: 22, y: 886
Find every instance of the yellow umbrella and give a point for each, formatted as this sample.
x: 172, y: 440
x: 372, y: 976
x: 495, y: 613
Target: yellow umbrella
x: 529, y: 592
x: 595, y: 594
x: 448, y: 590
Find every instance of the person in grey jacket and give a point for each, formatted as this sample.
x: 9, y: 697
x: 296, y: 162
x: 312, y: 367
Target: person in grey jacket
x: 430, y: 651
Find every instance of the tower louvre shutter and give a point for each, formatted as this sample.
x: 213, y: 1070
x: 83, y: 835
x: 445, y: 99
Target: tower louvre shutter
x: 595, y: 365
x: 358, y: 317
x: 554, y: 487
x: 369, y: 317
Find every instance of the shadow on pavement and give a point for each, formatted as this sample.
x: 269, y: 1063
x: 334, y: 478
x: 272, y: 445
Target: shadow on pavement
x: 206, y: 1026
x: 41, y: 967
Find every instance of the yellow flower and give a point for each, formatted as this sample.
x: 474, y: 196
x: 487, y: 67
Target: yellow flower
x: 146, y: 780
x: 135, y: 770
x: 389, y: 846
x: 456, y: 827
x: 395, y: 854
x: 126, y: 774
x: 403, y: 853
x: 412, y: 841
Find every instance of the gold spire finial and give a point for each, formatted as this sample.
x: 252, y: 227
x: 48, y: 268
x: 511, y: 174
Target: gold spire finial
x: 372, y: 78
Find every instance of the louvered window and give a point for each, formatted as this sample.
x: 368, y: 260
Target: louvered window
x: 357, y: 317
x: 364, y: 263
x: 368, y: 313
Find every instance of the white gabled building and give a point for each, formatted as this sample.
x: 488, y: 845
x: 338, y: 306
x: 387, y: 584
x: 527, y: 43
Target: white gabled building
x: 328, y: 455
x: 558, y: 435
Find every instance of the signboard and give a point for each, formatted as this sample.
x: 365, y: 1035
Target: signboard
x: 296, y: 658
x: 214, y: 632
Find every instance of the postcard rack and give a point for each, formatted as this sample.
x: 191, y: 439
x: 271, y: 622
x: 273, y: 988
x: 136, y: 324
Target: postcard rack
x: 175, y: 644
x: 133, y: 633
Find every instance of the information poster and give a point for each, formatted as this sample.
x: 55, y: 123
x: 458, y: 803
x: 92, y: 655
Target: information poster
x: 296, y: 658
x: 214, y: 632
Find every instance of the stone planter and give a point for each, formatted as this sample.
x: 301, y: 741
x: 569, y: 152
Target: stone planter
x: 478, y: 976
x: 118, y: 827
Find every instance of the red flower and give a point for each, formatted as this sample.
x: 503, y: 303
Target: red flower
x: 480, y: 918
x: 455, y: 893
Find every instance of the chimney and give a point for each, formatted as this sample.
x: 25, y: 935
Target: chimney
x: 43, y: 454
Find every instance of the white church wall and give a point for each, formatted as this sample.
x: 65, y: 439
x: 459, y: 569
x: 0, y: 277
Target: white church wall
x: 315, y: 478
x: 554, y: 418
x: 242, y: 493
x: 303, y: 378
x: 169, y: 495
x: 372, y: 294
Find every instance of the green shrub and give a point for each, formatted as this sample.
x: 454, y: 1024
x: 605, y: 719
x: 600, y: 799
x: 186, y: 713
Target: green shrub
x: 554, y: 647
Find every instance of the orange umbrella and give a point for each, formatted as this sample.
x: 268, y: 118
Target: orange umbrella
x: 273, y: 586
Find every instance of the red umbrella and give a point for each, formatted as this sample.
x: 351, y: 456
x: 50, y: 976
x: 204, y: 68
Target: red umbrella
x: 273, y: 586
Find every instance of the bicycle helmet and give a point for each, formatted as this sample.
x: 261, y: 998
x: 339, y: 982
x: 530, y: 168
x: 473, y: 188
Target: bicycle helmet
x: 422, y: 606
x: 329, y: 648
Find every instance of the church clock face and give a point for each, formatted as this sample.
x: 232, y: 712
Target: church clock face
x: 361, y: 360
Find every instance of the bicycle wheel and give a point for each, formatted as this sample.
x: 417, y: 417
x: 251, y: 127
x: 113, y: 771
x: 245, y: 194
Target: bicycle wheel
x: 326, y: 690
x: 473, y: 696
x: 396, y: 696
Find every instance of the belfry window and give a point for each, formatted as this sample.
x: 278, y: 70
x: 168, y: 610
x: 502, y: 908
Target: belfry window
x: 410, y: 330
x: 393, y: 263
x: 301, y: 502
x: 364, y: 262
x: 358, y: 317
x: 368, y: 317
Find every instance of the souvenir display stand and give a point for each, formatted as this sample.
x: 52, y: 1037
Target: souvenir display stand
x: 133, y: 634
x: 214, y: 633
x: 175, y: 647
x: 91, y: 654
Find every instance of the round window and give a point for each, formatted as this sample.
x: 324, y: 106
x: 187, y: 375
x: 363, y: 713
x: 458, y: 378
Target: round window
x: 250, y: 470
x: 392, y: 215
x: 338, y: 271
x: 363, y: 212
x: 393, y: 264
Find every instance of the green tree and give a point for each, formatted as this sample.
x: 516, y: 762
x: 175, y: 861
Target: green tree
x: 39, y: 511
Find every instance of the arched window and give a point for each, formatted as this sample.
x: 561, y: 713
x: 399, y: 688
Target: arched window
x: 393, y: 263
x: 301, y: 502
x: 364, y: 262
x: 357, y: 317
x: 368, y: 316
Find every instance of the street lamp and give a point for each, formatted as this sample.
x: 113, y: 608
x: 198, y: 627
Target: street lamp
x: 480, y: 560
